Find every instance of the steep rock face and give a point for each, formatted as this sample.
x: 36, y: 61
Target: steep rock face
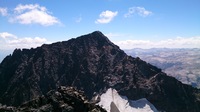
x: 65, y: 99
x: 92, y: 64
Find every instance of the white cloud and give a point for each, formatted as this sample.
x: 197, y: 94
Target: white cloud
x: 11, y: 41
x: 3, y: 11
x: 137, y: 10
x: 179, y: 42
x: 5, y: 35
x: 26, y: 42
x: 21, y: 8
x: 106, y: 17
x: 33, y: 14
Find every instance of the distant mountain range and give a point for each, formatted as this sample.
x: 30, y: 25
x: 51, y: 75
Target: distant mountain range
x: 183, y: 64
x: 93, y: 64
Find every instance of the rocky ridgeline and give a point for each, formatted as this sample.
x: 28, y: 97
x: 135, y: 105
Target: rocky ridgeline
x: 91, y: 63
x: 65, y: 99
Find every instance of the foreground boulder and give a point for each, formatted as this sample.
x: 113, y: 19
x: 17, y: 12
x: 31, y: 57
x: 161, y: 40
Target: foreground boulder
x: 65, y: 99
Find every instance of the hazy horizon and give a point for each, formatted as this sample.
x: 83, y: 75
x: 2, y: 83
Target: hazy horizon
x: 4, y: 53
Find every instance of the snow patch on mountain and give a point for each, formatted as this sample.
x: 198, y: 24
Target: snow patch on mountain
x: 113, y: 102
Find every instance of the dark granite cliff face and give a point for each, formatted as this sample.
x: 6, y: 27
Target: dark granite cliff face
x: 92, y: 64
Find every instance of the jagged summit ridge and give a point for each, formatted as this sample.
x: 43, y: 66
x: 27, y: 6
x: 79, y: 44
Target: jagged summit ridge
x: 92, y: 64
x: 98, y: 35
x: 94, y: 38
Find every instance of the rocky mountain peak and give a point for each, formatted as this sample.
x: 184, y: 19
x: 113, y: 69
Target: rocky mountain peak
x: 91, y: 63
x: 95, y: 38
x: 99, y: 36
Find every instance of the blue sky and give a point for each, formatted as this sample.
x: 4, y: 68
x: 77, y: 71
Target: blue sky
x: 127, y: 23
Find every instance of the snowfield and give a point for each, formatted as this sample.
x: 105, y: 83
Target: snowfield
x: 113, y: 102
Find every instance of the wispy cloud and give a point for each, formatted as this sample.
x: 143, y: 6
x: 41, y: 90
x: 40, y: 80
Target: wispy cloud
x: 6, y: 35
x: 11, y: 41
x: 78, y: 20
x: 106, y: 17
x: 179, y: 42
x: 3, y: 11
x: 141, y: 11
x: 33, y: 14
